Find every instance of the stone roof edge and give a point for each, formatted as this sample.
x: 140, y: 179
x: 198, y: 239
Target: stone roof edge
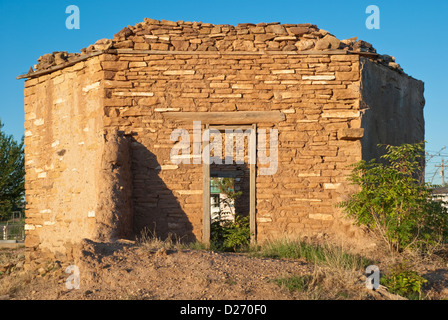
x: 60, y: 66
x: 83, y: 57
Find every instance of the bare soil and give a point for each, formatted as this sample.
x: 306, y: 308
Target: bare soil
x: 128, y: 271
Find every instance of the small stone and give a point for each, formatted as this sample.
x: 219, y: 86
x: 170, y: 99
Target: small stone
x: 124, y: 44
x: 364, y: 44
x: 304, y: 44
x: 243, y: 45
x: 168, y: 23
x: 276, y: 29
x: 151, y: 21
x: 90, y: 48
x: 298, y: 31
x: 334, y: 42
x: 223, y: 45
x: 103, y: 44
x: 322, y: 44
x: 216, y: 29
x: 394, y: 65
x: 273, y: 45
x: 290, y: 47
x: 386, y: 58
x: 180, y: 45
x: 328, y: 42
x: 264, y: 37
x: 155, y: 46
x: 47, y: 60
x: 350, y: 41
x: 285, y: 38
x: 125, y: 32
x: 257, y: 30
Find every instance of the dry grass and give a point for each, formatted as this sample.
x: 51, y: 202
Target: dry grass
x: 150, y: 241
x: 9, y: 285
x: 326, y: 254
x: 12, y: 276
x: 337, y: 274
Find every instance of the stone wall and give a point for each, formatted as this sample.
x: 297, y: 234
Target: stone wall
x: 319, y: 102
x: 99, y: 126
x: 63, y: 144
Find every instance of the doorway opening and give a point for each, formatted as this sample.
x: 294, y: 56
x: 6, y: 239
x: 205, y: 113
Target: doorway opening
x: 229, y: 188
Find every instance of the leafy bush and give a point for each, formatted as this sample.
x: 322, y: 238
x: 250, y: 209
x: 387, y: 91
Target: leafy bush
x: 403, y: 281
x: 230, y: 235
x: 237, y: 234
x: 393, y: 202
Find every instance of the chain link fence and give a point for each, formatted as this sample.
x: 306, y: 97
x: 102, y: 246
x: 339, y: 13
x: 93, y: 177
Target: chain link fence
x: 13, y: 229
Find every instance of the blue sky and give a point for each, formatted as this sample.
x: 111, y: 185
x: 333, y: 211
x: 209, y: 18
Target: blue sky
x: 415, y: 32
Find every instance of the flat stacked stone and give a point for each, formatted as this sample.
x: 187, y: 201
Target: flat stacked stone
x: 166, y: 35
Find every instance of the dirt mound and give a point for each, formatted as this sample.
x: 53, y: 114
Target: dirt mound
x: 129, y: 271
x: 125, y: 270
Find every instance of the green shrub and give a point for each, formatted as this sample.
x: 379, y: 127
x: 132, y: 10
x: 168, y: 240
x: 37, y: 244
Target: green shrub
x: 393, y: 202
x: 403, y: 281
x: 237, y: 234
x: 230, y: 235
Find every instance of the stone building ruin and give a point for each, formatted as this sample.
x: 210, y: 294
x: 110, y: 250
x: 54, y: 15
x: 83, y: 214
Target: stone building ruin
x: 98, y: 128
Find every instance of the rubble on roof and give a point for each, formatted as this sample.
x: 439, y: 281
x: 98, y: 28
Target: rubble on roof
x: 166, y: 35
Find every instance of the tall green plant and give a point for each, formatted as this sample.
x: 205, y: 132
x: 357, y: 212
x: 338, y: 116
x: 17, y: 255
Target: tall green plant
x: 394, y: 202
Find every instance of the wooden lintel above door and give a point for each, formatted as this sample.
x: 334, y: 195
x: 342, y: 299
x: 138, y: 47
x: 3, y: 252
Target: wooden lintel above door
x: 235, y: 117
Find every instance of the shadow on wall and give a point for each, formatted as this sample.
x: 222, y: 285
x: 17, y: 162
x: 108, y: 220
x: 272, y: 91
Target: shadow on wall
x: 155, y: 207
x: 394, y: 105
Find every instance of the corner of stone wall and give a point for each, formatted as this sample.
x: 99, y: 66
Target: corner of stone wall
x: 114, y: 214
